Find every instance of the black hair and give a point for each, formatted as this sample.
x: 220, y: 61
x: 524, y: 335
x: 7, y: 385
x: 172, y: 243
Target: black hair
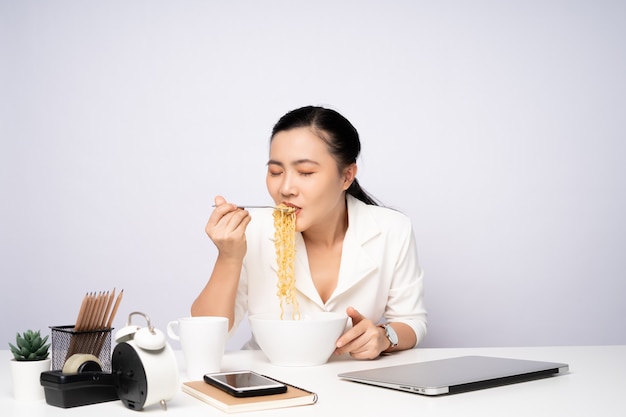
x: 339, y: 134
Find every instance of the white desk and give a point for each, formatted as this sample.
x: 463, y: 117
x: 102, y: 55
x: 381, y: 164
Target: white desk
x: 594, y: 387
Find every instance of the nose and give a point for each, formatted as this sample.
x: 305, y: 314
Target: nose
x: 288, y: 185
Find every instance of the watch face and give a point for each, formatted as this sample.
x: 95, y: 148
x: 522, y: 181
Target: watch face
x: 391, y: 335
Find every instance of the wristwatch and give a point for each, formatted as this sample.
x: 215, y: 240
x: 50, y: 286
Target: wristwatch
x: 391, y: 334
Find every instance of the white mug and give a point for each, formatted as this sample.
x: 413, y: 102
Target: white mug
x: 203, y: 340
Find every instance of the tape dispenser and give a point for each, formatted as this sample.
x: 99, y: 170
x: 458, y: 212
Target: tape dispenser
x: 144, y: 366
x: 80, y: 382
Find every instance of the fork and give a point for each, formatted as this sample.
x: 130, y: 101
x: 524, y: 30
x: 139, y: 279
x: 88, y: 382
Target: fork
x: 283, y: 209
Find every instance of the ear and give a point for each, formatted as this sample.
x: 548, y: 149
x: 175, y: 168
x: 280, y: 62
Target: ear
x: 349, y: 174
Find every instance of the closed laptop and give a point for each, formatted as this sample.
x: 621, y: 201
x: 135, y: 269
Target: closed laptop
x: 453, y: 375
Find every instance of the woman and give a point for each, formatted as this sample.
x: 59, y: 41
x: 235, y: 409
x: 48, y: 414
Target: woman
x: 352, y: 255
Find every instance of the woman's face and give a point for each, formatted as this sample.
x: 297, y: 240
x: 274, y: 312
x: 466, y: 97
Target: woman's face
x: 302, y: 173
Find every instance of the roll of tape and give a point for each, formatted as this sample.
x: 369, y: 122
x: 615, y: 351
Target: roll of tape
x: 81, y: 362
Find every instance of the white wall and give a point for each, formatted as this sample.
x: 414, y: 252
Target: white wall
x: 498, y: 127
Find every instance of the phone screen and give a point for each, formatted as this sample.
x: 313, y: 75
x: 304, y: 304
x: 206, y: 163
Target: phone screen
x: 245, y: 383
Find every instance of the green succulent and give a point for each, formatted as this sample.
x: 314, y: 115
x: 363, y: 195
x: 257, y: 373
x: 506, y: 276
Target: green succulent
x: 30, y: 346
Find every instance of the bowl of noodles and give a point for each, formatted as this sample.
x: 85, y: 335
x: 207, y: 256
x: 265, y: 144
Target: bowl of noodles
x: 306, y: 341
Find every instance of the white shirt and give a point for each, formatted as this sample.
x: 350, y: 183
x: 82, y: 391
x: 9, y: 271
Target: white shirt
x: 379, y: 274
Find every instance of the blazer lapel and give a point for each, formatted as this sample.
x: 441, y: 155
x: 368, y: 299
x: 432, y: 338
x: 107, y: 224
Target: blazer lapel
x: 304, y: 280
x: 356, y: 261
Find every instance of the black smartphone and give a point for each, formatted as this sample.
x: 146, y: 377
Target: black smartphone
x: 245, y: 383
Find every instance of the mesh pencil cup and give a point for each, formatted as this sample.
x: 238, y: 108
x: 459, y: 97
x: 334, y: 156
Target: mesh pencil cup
x: 67, y: 342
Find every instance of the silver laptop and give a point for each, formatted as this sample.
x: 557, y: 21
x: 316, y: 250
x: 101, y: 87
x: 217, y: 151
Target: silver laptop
x: 454, y: 375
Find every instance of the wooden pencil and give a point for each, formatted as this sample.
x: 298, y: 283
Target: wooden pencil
x: 109, y: 322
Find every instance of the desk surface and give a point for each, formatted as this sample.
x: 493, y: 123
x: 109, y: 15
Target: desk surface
x: 594, y: 386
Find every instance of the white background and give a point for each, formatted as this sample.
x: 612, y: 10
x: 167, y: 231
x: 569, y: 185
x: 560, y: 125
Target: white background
x: 497, y: 126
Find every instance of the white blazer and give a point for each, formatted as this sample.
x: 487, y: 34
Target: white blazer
x: 379, y: 274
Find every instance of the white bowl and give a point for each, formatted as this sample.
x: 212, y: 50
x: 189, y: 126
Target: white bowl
x: 306, y: 342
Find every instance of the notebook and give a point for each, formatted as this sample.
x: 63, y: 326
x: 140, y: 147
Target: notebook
x: 294, y: 396
x: 454, y: 375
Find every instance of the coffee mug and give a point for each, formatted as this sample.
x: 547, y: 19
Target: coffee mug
x: 203, y: 340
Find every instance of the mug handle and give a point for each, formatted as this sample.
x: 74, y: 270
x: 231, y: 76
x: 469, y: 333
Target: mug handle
x: 170, y: 330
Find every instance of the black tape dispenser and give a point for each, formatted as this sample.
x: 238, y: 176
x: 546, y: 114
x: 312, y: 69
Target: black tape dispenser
x: 80, y: 382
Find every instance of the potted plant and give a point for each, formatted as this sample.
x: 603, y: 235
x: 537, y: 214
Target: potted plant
x: 30, y: 359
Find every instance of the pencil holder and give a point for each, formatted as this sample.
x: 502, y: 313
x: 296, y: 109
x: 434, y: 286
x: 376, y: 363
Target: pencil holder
x: 67, y: 342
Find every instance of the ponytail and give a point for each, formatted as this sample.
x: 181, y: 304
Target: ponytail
x: 359, y: 193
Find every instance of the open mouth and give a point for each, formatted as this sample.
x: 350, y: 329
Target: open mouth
x: 293, y: 207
